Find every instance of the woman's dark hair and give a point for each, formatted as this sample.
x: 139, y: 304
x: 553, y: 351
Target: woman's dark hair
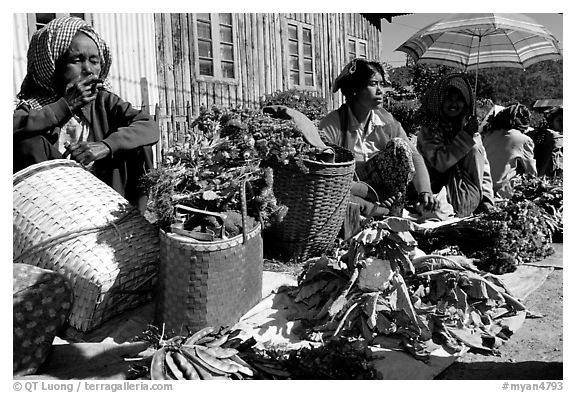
x: 356, y: 81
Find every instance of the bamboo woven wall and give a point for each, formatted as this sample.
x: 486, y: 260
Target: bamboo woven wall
x: 262, y: 61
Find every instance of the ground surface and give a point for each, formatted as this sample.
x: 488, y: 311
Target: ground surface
x: 534, y: 352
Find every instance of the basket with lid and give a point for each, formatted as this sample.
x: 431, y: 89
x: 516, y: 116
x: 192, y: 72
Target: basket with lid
x: 67, y: 220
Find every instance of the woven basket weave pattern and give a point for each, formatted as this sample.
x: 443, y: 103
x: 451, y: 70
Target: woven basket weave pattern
x: 316, y: 203
x: 208, y: 283
x: 67, y: 220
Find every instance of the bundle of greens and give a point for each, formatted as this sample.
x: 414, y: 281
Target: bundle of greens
x: 514, y: 233
x: 544, y: 192
x: 223, y: 149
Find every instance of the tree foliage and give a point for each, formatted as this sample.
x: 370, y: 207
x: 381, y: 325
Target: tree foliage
x: 501, y: 85
x: 313, y: 106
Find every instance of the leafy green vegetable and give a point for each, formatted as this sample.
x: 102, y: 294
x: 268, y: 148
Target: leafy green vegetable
x: 225, y: 148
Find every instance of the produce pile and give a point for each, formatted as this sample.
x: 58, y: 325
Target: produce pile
x: 546, y: 193
x: 519, y: 230
x: 233, y: 354
x: 225, y: 148
x: 383, y: 285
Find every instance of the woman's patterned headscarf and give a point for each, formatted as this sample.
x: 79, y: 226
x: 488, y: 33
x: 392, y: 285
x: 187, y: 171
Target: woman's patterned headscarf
x: 434, y: 97
x: 347, y: 75
x: 47, y: 46
x: 515, y: 116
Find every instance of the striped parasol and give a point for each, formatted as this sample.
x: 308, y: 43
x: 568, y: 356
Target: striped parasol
x: 474, y: 41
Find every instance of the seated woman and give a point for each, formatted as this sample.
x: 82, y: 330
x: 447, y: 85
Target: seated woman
x: 548, y: 141
x: 510, y: 152
x: 66, y: 110
x: 385, y: 159
x: 452, y: 147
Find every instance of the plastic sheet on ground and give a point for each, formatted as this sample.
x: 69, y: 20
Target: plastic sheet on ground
x: 98, y: 354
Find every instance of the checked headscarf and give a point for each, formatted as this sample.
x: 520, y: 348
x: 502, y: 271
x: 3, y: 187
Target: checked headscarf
x: 47, y: 46
x: 434, y: 97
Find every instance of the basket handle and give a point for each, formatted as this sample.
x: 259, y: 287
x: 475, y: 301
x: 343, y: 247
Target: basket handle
x: 222, y: 216
x: 244, y: 211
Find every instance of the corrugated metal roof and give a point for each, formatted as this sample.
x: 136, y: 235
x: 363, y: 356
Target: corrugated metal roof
x: 376, y: 19
x: 547, y: 103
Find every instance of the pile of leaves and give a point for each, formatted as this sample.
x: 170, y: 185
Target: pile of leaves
x: 225, y: 148
x: 313, y: 106
x: 380, y: 286
x: 334, y: 360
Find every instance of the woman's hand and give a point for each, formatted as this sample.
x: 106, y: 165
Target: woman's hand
x: 471, y: 125
x: 88, y: 152
x: 428, y: 201
x: 82, y: 92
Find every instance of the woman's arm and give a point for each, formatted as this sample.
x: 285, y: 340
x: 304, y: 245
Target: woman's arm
x: 421, y: 176
x: 131, y: 128
x: 527, y: 160
x: 330, y: 130
x: 487, y: 184
x: 43, y: 120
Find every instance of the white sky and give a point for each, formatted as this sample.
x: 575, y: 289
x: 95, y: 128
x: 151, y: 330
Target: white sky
x: 403, y: 27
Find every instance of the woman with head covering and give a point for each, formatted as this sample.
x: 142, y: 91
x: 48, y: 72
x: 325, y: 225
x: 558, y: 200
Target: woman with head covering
x: 66, y: 110
x: 510, y: 152
x: 385, y: 159
x: 548, y: 141
x: 452, y: 147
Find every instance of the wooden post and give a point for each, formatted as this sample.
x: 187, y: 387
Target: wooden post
x: 188, y: 116
x: 159, y: 144
x: 144, y: 94
x: 173, y: 130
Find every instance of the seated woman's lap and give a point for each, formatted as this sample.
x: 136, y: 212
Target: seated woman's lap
x: 32, y: 150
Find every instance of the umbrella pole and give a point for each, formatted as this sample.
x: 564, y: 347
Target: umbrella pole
x: 476, y: 79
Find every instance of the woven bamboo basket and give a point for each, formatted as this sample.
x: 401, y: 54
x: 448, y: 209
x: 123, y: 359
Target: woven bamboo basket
x: 208, y: 283
x: 67, y: 220
x: 317, y: 198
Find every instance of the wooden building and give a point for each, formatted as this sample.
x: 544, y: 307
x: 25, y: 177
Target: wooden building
x: 225, y: 59
x: 172, y: 64
x: 236, y: 59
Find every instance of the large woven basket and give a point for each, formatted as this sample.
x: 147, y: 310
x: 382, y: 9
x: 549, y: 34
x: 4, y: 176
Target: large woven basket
x: 208, y: 283
x: 317, y: 198
x: 67, y: 220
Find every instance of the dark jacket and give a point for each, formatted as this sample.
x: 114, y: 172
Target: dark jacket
x: 128, y: 132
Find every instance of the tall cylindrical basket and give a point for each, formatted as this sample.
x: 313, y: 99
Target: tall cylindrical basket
x: 208, y: 283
